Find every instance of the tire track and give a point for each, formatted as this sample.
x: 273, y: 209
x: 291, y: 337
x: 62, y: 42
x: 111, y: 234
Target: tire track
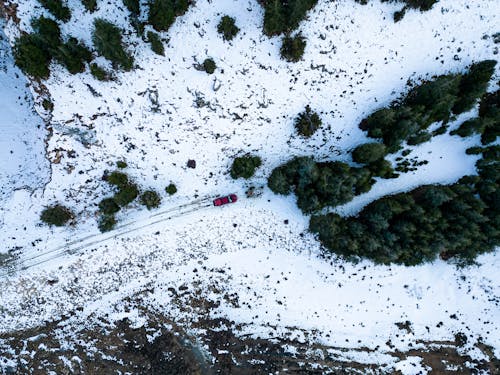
x: 21, y: 264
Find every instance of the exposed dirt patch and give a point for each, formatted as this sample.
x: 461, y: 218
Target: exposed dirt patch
x: 158, y: 346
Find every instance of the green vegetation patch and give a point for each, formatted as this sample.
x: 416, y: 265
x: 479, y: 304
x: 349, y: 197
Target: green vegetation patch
x: 318, y: 185
x: 281, y: 16
x: 292, y: 48
x: 107, y: 39
x: 156, y: 43
x: 90, y: 5
x: 307, y: 122
x: 108, y: 206
x: 106, y: 223
x: 171, y: 189
x: 227, y: 28
x: 57, y: 215
x: 162, y: 13
x: 245, y: 166
x: 150, y: 199
x: 99, y: 73
x: 433, y: 101
x: 126, y: 194
x: 459, y: 220
x: 209, y: 65
x: 58, y: 9
x: 369, y: 153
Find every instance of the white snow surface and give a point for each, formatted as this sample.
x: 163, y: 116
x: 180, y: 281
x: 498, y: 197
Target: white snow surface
x: 357, y: 60
x: 22, y: 162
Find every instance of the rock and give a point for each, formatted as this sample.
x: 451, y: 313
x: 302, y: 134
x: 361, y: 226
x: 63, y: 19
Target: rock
x: 191, y: 163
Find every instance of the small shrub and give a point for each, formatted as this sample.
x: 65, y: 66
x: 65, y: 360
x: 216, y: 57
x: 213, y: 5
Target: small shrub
x: 99, y: 73
x: 57, y: 9
x: 73, y: 55
x: 108, y: 206
x: 369, y: 153
x: 162, y: 13
x: 156, y: 43
x: 121, y: 164
x: 126, y: 194
x: 57, y: 215
x: 292, y: 48
x: 106, y: 223
x: 117, y: 178
x: 171, y: 189
x: 209, y: 65
x: 245, y: 166
x: 133, y: 7
x: 423, y: 5
x: 227, y: 28
x: 307, y: 122
x: 107, y: 40
x: 90, y: 5
x: 150, y: 199
x: 31, y: 56
x: 398, y: 16
x: 47, y: 105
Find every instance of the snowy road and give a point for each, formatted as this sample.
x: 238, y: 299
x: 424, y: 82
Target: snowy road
x: 15, y: 264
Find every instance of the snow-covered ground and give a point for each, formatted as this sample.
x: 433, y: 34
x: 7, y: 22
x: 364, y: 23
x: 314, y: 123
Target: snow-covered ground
x: 22, y: 150
x: 356, y: 61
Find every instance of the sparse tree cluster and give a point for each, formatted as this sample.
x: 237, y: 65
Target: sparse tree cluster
x: 428, y: 103
x: 459, y: 220
x: 318, y: 185
x: 126, y: 192
x: 34, y: 52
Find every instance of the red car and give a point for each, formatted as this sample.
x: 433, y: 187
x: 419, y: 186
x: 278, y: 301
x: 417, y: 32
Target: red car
x: 231, y: 198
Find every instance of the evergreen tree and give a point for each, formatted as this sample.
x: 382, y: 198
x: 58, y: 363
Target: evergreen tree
x: 58, y: 9
x: 57, y: 215
x: 107, y: 40
x: 307, y: 122
x: 369, y: 153
x: 227, y: 28
x: 292, y: 48
x: 31, y: 56
x: 245, y: 166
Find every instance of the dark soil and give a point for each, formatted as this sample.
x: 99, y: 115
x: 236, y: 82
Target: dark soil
x: 160, y: 347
